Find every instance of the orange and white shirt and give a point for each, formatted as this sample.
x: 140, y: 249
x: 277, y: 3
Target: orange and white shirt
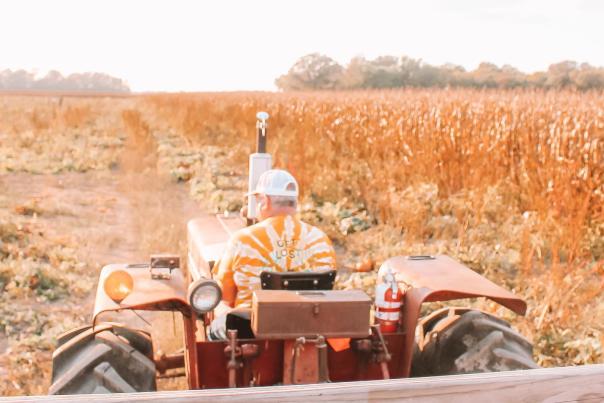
x: 281, y: 243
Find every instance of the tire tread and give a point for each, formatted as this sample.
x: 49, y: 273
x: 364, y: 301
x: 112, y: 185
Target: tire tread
x: 107, y: 359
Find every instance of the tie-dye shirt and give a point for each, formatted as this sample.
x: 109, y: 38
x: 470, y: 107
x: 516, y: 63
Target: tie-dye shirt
x: 280, y: 243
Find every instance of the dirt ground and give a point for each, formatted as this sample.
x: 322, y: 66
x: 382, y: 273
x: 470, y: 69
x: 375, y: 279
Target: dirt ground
x: 110, y: 216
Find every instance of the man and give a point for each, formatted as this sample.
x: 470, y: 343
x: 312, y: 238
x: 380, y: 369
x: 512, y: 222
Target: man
x: 279, y: 242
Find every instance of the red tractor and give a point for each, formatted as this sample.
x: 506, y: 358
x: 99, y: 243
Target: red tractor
x: 298, y: 330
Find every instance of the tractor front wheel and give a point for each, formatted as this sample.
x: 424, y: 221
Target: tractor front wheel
x: 460, y: 340
x: 108, y: 358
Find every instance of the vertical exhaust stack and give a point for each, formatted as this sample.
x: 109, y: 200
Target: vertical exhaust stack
x: 260, y: 162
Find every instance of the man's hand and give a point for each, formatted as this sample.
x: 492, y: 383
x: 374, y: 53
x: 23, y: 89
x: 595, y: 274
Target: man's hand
x: 218, y: 328
x: 218, y: 325
x: 222, y: 309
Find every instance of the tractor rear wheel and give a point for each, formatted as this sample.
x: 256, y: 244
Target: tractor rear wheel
x: 110, y: 358
x: 461, y: 340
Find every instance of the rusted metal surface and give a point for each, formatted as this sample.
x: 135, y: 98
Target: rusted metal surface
x: 443, y: 279
x: 440, y: 279
x: 192, y: 364
x: 265, y: 362
x: 207, y: 239
x: 147, y: 294
x: 263, y: 370
x: 171, y: 361
x: 300, y: 362
x: 363, y: 361
x: 165, y: 261
x: 288, y: 314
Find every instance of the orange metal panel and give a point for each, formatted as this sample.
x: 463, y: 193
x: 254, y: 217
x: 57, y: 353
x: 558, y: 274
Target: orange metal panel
x: 440, y: 279
x: 207, y: 238
x: 147, y: 294
x: 446, y: 279
x: 268, y: 367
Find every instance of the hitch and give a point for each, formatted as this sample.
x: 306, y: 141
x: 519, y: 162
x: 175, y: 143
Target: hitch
x: 321, y: 371
x: 239, y: 357
x: 161, y: 266
x: 376, y: 349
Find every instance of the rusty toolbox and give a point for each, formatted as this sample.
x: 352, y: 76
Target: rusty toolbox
x: 285, y: 314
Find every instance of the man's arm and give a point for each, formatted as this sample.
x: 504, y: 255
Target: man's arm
x: 224, y: 275
x: 321, y: 253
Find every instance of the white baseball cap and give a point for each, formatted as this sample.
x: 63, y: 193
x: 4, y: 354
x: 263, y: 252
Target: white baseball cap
x: 276, y: 182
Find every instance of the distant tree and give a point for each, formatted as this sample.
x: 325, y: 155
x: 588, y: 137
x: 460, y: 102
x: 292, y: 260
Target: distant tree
x: 537, y: 79
x: 355, y: 73
x: 54, y: 81
x: 587, y: 77
x: 15, y: 80
x: 559, y: 74
x: 409, y: 68
x: 383, y: 72
x: 486, y: 75
x: 429, y: 76
x: 455, y: 76
x: 510, y: 77
x: 317, y: 71
x: 313, y: 71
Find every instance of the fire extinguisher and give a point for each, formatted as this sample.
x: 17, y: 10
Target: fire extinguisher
x: 388, y: 302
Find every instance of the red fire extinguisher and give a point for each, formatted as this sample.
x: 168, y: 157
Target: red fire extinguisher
x: 388, y: 302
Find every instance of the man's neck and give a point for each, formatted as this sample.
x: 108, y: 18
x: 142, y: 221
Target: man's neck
x: 280, y: 212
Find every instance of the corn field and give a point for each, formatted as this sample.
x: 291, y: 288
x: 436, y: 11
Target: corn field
x: 545, y: 150
x: 511, y: 183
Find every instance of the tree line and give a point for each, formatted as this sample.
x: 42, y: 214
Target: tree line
x: 320, y: 72
x: 21, y: 80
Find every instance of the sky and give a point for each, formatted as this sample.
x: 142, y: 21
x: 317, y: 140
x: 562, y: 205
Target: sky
x: 227, y: 45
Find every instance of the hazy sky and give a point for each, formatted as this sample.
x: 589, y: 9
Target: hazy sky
x: 244, y: 45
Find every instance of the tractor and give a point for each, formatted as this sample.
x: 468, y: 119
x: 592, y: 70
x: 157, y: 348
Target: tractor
x: 298, y: 330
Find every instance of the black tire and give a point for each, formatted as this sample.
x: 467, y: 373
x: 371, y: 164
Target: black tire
x: 460, y: 340
x: 110, y: 358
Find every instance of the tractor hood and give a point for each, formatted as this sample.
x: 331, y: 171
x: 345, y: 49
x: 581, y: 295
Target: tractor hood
x: 148, y: 293
x: 207, y: 239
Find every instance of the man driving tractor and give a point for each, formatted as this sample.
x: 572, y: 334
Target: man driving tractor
x: 278, y: 242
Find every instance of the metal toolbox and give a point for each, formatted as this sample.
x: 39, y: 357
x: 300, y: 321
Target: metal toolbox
x: 291, y: 314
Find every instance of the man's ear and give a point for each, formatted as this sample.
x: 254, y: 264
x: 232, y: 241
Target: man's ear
x: 267, y: 203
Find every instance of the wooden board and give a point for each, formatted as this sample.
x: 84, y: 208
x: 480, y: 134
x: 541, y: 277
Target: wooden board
x: 568, y: 384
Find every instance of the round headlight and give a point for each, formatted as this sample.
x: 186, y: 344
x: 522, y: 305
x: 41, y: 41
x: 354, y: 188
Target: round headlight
x: 118, y: 285
x: 204, y: 295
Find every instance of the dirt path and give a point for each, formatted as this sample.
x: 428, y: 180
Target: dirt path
x: 115, y: 216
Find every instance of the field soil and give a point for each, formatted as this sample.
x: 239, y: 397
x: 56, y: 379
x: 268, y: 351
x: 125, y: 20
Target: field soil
x: 120, y: 215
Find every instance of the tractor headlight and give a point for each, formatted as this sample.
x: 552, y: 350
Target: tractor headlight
x: 204, y: 295
x: 118, y: 285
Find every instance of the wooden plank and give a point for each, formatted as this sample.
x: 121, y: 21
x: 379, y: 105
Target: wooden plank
x: 568, y: 384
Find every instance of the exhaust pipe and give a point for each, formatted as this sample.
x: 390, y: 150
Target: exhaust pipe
x: 260, y: 162
x: 261, y: 126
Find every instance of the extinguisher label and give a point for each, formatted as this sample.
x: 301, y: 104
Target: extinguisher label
x: 393, y: 316
x: 389, y: 304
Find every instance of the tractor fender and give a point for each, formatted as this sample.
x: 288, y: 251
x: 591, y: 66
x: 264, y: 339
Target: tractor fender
x: 157, y: 294
x: 439, y: 278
